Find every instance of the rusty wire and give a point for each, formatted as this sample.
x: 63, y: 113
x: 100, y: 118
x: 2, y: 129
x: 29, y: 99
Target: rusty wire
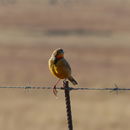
x: 67, y: 90
x: 115, y: 88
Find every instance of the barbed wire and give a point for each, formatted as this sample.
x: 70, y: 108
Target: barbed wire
x: 116, y: 88
x: 67, y: 90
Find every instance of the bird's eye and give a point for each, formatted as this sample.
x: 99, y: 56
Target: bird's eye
x: 61, y: 51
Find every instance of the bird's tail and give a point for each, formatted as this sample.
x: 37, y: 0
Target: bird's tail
x: 72, y: 80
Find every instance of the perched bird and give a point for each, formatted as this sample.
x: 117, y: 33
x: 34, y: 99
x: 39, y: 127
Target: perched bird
x: 60, y: 68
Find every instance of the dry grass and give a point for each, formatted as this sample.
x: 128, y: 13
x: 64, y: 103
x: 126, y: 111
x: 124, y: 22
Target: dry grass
x: 95, y: 38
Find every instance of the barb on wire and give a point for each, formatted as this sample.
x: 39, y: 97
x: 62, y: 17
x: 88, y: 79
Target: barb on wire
x: 116, y: 88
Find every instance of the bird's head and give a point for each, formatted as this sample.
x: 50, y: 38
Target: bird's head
x: 58, y: 53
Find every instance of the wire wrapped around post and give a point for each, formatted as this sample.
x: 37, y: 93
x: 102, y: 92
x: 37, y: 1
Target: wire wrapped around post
x: 68, y: 104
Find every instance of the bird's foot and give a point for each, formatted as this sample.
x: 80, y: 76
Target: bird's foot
x: 55, y: 91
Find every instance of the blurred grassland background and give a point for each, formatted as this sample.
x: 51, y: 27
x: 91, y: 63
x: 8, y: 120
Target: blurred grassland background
x: 95, y: 35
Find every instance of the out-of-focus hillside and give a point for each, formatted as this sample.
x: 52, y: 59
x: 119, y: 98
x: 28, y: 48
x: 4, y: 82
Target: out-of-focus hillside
x: 91, y: 15
x: 80, y: 23
x: 95, y: 35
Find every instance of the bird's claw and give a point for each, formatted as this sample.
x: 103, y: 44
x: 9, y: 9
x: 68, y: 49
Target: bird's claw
x: 55, y: 91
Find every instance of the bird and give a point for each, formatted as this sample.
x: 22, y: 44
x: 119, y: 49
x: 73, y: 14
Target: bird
x: 60, y: 68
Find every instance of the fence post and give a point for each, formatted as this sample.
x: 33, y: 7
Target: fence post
x: 68, y: 104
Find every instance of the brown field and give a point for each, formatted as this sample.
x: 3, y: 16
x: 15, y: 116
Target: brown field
x: 96, y: 39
